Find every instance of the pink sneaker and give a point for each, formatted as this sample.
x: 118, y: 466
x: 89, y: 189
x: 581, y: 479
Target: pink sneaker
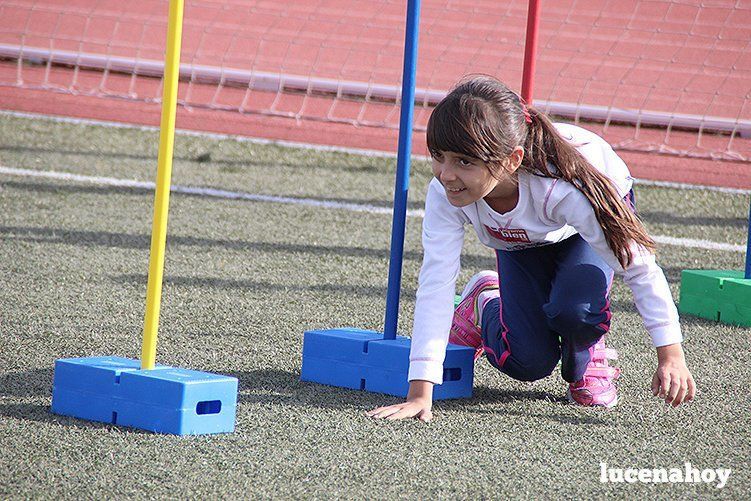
x: 596, y: 389
x: 465, y: 328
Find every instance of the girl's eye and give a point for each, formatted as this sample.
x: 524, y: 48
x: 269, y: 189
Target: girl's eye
x: 436, y: 154
x: 464, y: 162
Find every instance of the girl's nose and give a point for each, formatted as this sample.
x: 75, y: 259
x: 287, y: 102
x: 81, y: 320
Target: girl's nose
x: 447, y: 173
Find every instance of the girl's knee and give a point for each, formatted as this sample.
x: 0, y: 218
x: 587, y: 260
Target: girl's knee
x: 573, y: 318
x: 531, y: 372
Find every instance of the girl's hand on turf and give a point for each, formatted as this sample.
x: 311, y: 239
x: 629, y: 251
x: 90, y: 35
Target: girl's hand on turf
x: 418, y: 405
x: 409, y: 409
x: 672, y: 380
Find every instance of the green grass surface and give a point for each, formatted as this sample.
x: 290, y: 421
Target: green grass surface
x: 243, y: 280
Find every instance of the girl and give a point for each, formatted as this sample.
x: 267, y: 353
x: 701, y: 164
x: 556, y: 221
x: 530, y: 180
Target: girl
x: 555, y: 202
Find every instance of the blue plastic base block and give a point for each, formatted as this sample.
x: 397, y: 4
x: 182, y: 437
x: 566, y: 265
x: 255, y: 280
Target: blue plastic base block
x: 165, y: 399
x: 363, y: 360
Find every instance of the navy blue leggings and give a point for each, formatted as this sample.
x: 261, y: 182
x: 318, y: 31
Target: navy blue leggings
x: 554, y: 306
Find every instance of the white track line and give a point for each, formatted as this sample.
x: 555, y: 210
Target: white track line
x: 686, y: 186
x: 310, y: 202
x: 316, y: 147
x: 698, y: 244
x: 206, y: 192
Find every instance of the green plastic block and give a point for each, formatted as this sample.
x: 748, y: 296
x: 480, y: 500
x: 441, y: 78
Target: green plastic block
x: 737, y: 307
x: 457, y: 300
x: 720, y: 295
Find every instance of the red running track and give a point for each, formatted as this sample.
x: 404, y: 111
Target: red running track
x: 669, y: 56
x: 642, y: 165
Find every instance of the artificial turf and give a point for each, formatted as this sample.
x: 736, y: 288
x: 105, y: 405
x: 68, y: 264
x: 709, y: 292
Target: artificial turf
x: 243, y: 280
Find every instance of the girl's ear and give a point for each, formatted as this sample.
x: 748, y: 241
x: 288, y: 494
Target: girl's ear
x: 515, y: 159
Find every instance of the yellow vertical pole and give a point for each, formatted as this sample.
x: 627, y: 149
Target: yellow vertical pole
x: 163, y: 180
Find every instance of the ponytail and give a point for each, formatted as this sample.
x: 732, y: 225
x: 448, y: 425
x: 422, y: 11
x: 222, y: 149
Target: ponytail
x: 620, y: 225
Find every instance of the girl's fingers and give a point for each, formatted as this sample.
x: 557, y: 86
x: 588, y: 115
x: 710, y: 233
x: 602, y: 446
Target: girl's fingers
x: 665, y: 387
x: 691, y: 389
x: 403, y: 413
x: 688, y: 390
x: 425, y: 416
x: 407, y: 411
x: 655, y: 384
x: 675, y: 391
x: 396, y: 409
x: 373, y: 412
x: 400, y: 411
x: 383, y: 412
x: 682, y: 389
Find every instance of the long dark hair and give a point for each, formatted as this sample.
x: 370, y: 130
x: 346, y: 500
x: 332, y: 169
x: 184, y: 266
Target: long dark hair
x: 484, y: 119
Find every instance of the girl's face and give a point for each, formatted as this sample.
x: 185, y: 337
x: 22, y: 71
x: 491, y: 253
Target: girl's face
x: 467, y: 179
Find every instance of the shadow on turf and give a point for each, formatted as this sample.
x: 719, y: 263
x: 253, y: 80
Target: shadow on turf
x: 41, y: 414
x: 84, y: 238
x: 38, y: 383
x: 274, y: 386
x: 30, y: 383
x: 254, y: 285
x: 485, y: 394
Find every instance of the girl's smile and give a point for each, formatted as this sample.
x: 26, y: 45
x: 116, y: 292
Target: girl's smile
x: 467, y: 179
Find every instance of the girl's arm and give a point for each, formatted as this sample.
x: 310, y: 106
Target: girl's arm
x: 442, y: 239
x: 672, y: 379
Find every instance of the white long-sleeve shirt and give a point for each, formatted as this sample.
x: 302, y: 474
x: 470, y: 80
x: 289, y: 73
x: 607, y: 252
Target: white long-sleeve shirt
x: 548, y: 211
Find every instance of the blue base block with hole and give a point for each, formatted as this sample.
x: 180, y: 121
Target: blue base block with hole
x: 363, y: 360
x: 165, y: 399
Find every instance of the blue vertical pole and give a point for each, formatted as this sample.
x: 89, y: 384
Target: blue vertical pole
x: 748, y: 247
x: 402, y: 169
